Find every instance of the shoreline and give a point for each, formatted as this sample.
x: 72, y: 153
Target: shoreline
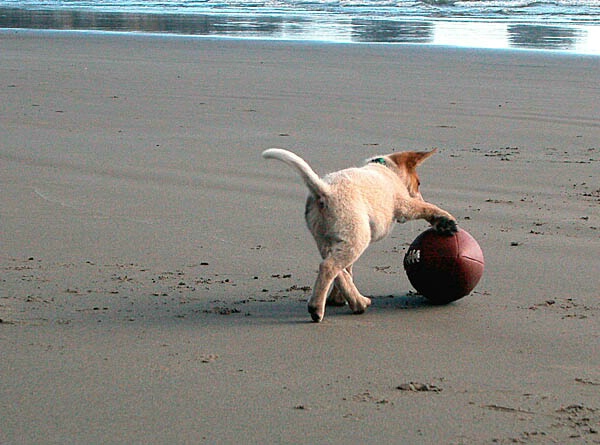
x: 155, y: 269
x: 571, y: 37
x: 299, y: 42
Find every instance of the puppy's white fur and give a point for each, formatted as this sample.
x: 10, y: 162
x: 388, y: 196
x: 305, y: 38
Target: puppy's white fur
x: 349, y: 209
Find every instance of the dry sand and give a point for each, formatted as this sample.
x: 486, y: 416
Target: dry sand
x: 155, y: 269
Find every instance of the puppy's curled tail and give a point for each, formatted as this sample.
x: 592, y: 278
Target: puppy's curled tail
x: 315, y: 184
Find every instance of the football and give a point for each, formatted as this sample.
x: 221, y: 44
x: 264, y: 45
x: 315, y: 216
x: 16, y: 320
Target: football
x: 444, y: 268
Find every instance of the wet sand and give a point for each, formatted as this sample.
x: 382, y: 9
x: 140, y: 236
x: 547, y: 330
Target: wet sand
x: 155, y: 269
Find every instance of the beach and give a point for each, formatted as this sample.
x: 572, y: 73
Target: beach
x: 155, y: 269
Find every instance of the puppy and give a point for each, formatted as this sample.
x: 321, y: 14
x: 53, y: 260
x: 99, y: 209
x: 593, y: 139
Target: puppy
x: 349, y: 209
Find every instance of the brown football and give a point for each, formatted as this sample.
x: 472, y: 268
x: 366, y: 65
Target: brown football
x: 444, y: 268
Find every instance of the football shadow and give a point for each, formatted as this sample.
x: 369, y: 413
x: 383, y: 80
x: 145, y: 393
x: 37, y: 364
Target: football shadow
x: 407, y: 301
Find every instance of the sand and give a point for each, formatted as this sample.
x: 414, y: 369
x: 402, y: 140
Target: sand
x: 155, y: 269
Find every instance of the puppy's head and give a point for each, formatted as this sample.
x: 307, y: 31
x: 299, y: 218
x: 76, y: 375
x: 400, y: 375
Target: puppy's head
x: 407, y: 162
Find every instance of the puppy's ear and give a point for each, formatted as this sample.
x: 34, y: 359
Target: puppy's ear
x: 422, y: 155
x: 411, y: 159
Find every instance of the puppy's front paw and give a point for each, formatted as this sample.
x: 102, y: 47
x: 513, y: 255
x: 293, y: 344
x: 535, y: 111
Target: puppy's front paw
x: 445, y: 226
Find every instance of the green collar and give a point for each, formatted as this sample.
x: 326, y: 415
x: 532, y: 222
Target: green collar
x: 377, y: 161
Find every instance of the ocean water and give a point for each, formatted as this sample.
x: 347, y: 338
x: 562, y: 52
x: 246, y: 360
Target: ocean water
x: 552, y: 25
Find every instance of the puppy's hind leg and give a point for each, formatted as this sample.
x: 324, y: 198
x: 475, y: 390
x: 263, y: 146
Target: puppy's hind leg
x: 336, y: 297
x: 338, y: 260
x: 357, y: 302
x: 328, y: 270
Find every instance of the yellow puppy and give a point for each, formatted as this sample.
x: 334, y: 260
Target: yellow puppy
x: 349, y: 209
